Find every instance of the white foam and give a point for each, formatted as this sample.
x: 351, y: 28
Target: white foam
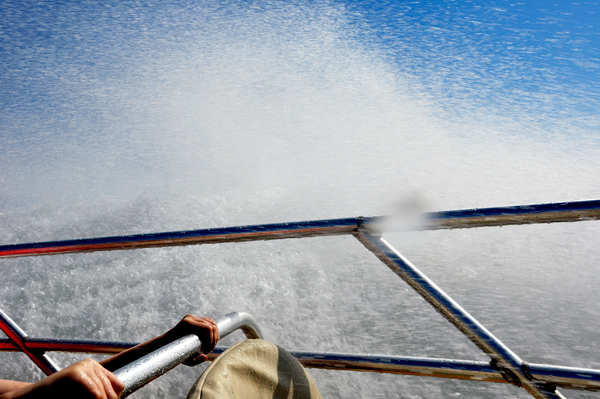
x: 272, y: 113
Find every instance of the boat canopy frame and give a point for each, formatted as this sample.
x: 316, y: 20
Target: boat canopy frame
x: 540, y: 380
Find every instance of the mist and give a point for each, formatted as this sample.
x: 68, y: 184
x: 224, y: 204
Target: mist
x: 124, y: 118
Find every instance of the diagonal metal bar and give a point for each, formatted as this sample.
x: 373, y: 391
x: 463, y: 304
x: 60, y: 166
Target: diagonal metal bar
x: 507, y: 362
x: 18, y: 336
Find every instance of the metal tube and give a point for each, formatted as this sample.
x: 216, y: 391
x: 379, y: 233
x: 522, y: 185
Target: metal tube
x: 566, y: 377
x: 543, y: 374
x: 563, y: 377
x: 507, y: 361
x: 18, y: 336
x: 406, y: 365
x: 67, y: 345
x: 178, y: 238
x: 140, y: 372
x: 234, y: 320
x: 467, y: 218
x: 574, y: 211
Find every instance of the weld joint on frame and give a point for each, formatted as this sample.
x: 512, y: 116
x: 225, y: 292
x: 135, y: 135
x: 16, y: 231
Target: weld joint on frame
x: 506, y: 373
x: 526, y: 372
x: 361, y: 228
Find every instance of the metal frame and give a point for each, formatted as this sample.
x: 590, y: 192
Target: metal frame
x: 18, y: 337
x: 539, y: 380
x: 468, y: 218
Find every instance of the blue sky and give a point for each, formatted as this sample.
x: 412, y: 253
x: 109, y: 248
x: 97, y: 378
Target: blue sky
x: 125, y: 117
x: 101, y: 97
x: 547, y: 51
x: 494, y: 48
x: 530, y: 44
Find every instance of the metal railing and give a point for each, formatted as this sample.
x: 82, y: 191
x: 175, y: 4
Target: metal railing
x: 505, y: 366
x: 137, y: 373
x: 147, y: 368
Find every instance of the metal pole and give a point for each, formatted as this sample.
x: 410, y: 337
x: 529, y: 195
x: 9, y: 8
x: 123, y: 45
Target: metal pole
x: 179, y: 238
x: 563, y: 377
x: 140, y: 372
x: 507, y: 362
x: 18, y: 336
x: 467, y: 218
x: 574, y: 211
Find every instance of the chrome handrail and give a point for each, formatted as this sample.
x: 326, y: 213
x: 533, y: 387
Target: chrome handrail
x: 147, y: 368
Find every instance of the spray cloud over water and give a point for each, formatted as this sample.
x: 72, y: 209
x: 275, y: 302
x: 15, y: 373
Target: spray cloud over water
x: 121, y: 118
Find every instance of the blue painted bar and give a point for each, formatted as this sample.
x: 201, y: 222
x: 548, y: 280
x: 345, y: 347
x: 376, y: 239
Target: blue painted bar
x: 581, y: 206
x: 467, y: 218
x: 205, y: 236
x: 565, y: 377
x: 574, y: 211
x: 573, y: 377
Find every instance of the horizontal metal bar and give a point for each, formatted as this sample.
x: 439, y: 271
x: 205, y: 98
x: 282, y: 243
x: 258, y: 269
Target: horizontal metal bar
x: 425, y: 367
x: 191, y: 237
x: 144, y: 370
x: 467, y: 218
x: 574, y: 211
x: 67, y: 345
x: 564, y: 377
x: 231, y: 322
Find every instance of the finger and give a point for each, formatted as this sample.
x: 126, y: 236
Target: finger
x: 196, y: 359
x: 205, y: 328
x: 95, y: 385
x: 215, y: 337
x: 107, y: 389
x: 211, y: 338
x: 214, y: 333
x: 116, y: 384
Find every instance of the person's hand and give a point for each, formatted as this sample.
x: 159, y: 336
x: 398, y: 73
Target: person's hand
x: 86, y: 379
x: 205, y: 328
